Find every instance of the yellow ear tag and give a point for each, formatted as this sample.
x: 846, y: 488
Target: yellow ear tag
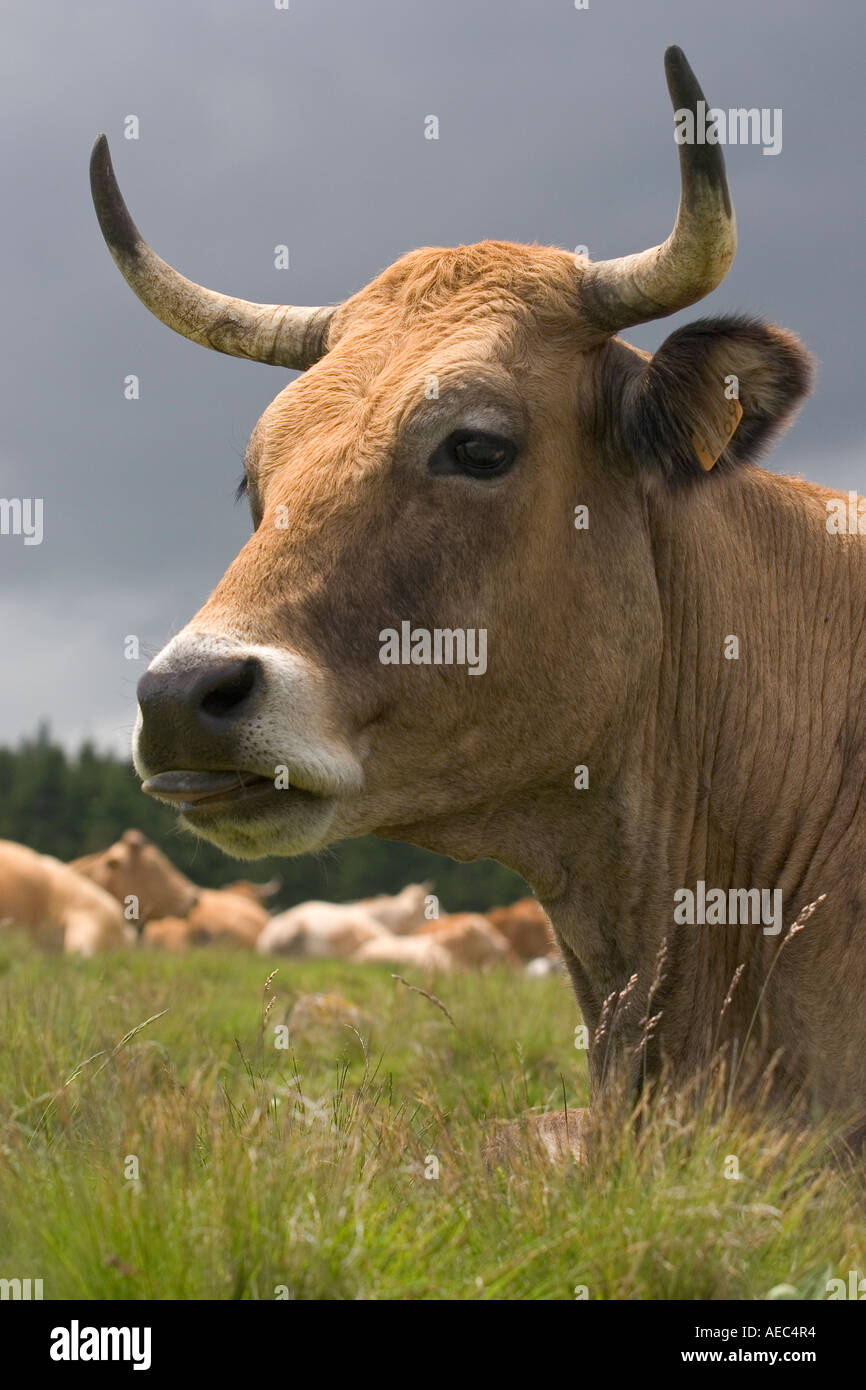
x: 709, y: 451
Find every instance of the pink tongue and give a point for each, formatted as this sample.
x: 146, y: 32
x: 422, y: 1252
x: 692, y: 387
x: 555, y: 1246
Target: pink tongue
x: 189, y: 786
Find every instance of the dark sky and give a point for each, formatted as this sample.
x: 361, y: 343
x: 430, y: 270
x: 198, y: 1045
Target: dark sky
x: 261, y: 126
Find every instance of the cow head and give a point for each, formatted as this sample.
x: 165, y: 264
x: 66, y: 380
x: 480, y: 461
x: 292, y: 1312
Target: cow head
x: 403, y: 912
x: 413, y: 496
x: 134, y: 867
x: 256, y: 892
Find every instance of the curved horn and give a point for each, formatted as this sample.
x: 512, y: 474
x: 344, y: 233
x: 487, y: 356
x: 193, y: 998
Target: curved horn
x: 277, y: 333
x: 697, y: 254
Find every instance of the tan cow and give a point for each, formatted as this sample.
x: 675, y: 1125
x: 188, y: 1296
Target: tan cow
x: 136, y: 872
x: 136, y: 868
x: 224, y: 926
x: 220, y: 915
x: 218, y: 918
x: 318, y: 930
x: 563, y: 557
x: 256, y: 892
x: 170, y: 934
x: 526, y: 926
x: 470, y: 940
x: 55, y: 906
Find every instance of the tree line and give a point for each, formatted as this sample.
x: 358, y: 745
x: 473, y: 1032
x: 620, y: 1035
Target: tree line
x: 69, y: 804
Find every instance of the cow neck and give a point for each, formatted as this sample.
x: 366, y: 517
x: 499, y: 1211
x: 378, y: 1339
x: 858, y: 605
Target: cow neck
x: 736, y: 771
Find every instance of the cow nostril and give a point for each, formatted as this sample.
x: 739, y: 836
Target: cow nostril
x: 233, y: 687
x: 183, y: 703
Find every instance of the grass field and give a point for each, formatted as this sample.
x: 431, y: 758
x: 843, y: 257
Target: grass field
x: 265, y: 1172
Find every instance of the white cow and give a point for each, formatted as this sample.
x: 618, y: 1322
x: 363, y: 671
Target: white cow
x: 317, y: 929
x: 403, y: 912
x: 424, y: 952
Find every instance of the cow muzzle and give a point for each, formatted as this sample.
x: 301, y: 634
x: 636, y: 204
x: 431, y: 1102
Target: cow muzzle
x: 239, y: 739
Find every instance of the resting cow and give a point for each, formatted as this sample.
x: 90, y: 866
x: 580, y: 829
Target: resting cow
x: 518, y: 589
x: 403, y: 912
x: 55, y: 906
x: 317, y: 930
x: 141, y: 877
x: 526, y: 927
x: 470, y: 940
x: 420, y: 952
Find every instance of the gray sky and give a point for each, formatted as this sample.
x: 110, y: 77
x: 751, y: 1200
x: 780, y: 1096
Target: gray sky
x: 306, y: 127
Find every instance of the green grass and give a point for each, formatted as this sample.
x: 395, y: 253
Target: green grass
x: 305, y: 1169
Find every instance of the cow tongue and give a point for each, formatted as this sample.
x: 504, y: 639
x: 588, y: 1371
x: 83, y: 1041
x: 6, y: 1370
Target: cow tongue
x: 192, y: 786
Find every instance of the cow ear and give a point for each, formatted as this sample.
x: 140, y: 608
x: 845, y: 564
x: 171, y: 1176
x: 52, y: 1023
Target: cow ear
x: 716, y: 394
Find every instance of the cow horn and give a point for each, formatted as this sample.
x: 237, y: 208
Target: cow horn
x: 281, y: 334
x: 697, y: 254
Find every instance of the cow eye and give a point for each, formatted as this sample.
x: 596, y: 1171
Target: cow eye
x: 476, y: 454
x: 245, y: 490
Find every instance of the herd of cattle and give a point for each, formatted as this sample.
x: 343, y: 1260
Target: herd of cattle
x: 132, y: 895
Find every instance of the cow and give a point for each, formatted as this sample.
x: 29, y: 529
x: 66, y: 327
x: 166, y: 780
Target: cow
x: 526, y: 927
x: 233, y: 919
x: 57, y: 908
x: 256, y: 892
x: 517, y: 589
x: 170, y: 934
x: 136, y: 869
x: 470, y: 940
x: 402, y: 912
x: 316, y: 930
x: 133, y: 867
x: 420, y: 952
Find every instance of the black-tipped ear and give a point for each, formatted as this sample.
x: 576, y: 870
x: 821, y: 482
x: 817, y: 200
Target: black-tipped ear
x: 716, y: 394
